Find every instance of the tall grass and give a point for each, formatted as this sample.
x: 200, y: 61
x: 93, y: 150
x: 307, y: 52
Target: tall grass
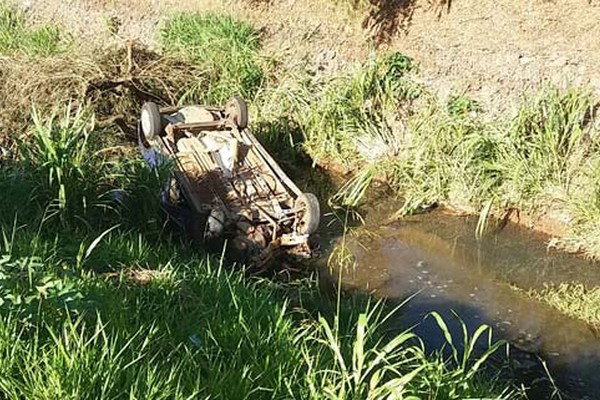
x: 349, y: 119
x: 542, y: 160
x: 193, y: 329
x: 226, y: 48
x: 60, y: 156
x: 584, y: 208
x: 367, y: 366
x: 380, y: 124
x: 550, y: 139
x: 448, y: 158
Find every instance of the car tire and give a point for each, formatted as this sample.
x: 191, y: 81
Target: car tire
x: 237, y: 110
x: 151, y: 121
x: 308, y: 213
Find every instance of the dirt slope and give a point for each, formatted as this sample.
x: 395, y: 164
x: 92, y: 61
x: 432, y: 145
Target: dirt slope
x: 492, y: 50
x: 496, y: 50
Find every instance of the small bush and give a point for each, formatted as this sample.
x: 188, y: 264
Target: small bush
x: 462, y: 106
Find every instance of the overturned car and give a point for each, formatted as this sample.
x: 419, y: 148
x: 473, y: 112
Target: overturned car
x: 234, y: 191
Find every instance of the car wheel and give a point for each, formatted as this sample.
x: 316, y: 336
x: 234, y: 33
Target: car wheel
x: 308, y: 213
x: 237, y: 110
x: 151, y: 121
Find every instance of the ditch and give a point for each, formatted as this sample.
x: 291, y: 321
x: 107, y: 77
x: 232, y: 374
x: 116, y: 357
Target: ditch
x: 436, y: 258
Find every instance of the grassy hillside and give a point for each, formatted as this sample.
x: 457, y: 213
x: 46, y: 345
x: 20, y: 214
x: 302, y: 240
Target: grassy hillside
x: 100, y: 297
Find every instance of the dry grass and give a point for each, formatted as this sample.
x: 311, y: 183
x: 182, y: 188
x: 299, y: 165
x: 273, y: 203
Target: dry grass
x: 132, y: 75
x: 113, y: 83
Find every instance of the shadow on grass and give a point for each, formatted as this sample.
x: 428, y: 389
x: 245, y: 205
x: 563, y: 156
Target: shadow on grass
x: 284, y: 140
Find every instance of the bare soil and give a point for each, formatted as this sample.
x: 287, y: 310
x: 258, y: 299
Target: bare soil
x: 499, y: 50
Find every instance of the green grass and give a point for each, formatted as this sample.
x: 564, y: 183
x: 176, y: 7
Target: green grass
x: 16, y: 38
x: 541, y: 159
x: 225, y: 48
x: 380, y: 124
x: 346, y: 118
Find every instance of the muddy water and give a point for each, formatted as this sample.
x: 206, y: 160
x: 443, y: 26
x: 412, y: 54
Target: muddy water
x: 437, y: 256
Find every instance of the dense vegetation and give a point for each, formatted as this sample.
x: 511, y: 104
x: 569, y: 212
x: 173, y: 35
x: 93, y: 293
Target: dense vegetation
x: 101, y: 298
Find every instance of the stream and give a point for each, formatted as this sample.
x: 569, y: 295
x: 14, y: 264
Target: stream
x: 436, y: 257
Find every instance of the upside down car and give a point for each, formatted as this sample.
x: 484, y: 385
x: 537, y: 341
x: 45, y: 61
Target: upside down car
x: 228, y: 181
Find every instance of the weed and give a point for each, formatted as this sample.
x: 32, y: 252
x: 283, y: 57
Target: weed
x: 366, y: 365
x: 64, y: 165
x: 18, y: 39
x: 365, y: 368
x: 447, y: 159
x: 462, y: 106
x: 584, y: 208
x: 544, y: 154
x: 26, y: 286
x: 353, y: 192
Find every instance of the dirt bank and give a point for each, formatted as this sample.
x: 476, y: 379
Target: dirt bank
x: 492, y: 51
x: 497, y: 50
